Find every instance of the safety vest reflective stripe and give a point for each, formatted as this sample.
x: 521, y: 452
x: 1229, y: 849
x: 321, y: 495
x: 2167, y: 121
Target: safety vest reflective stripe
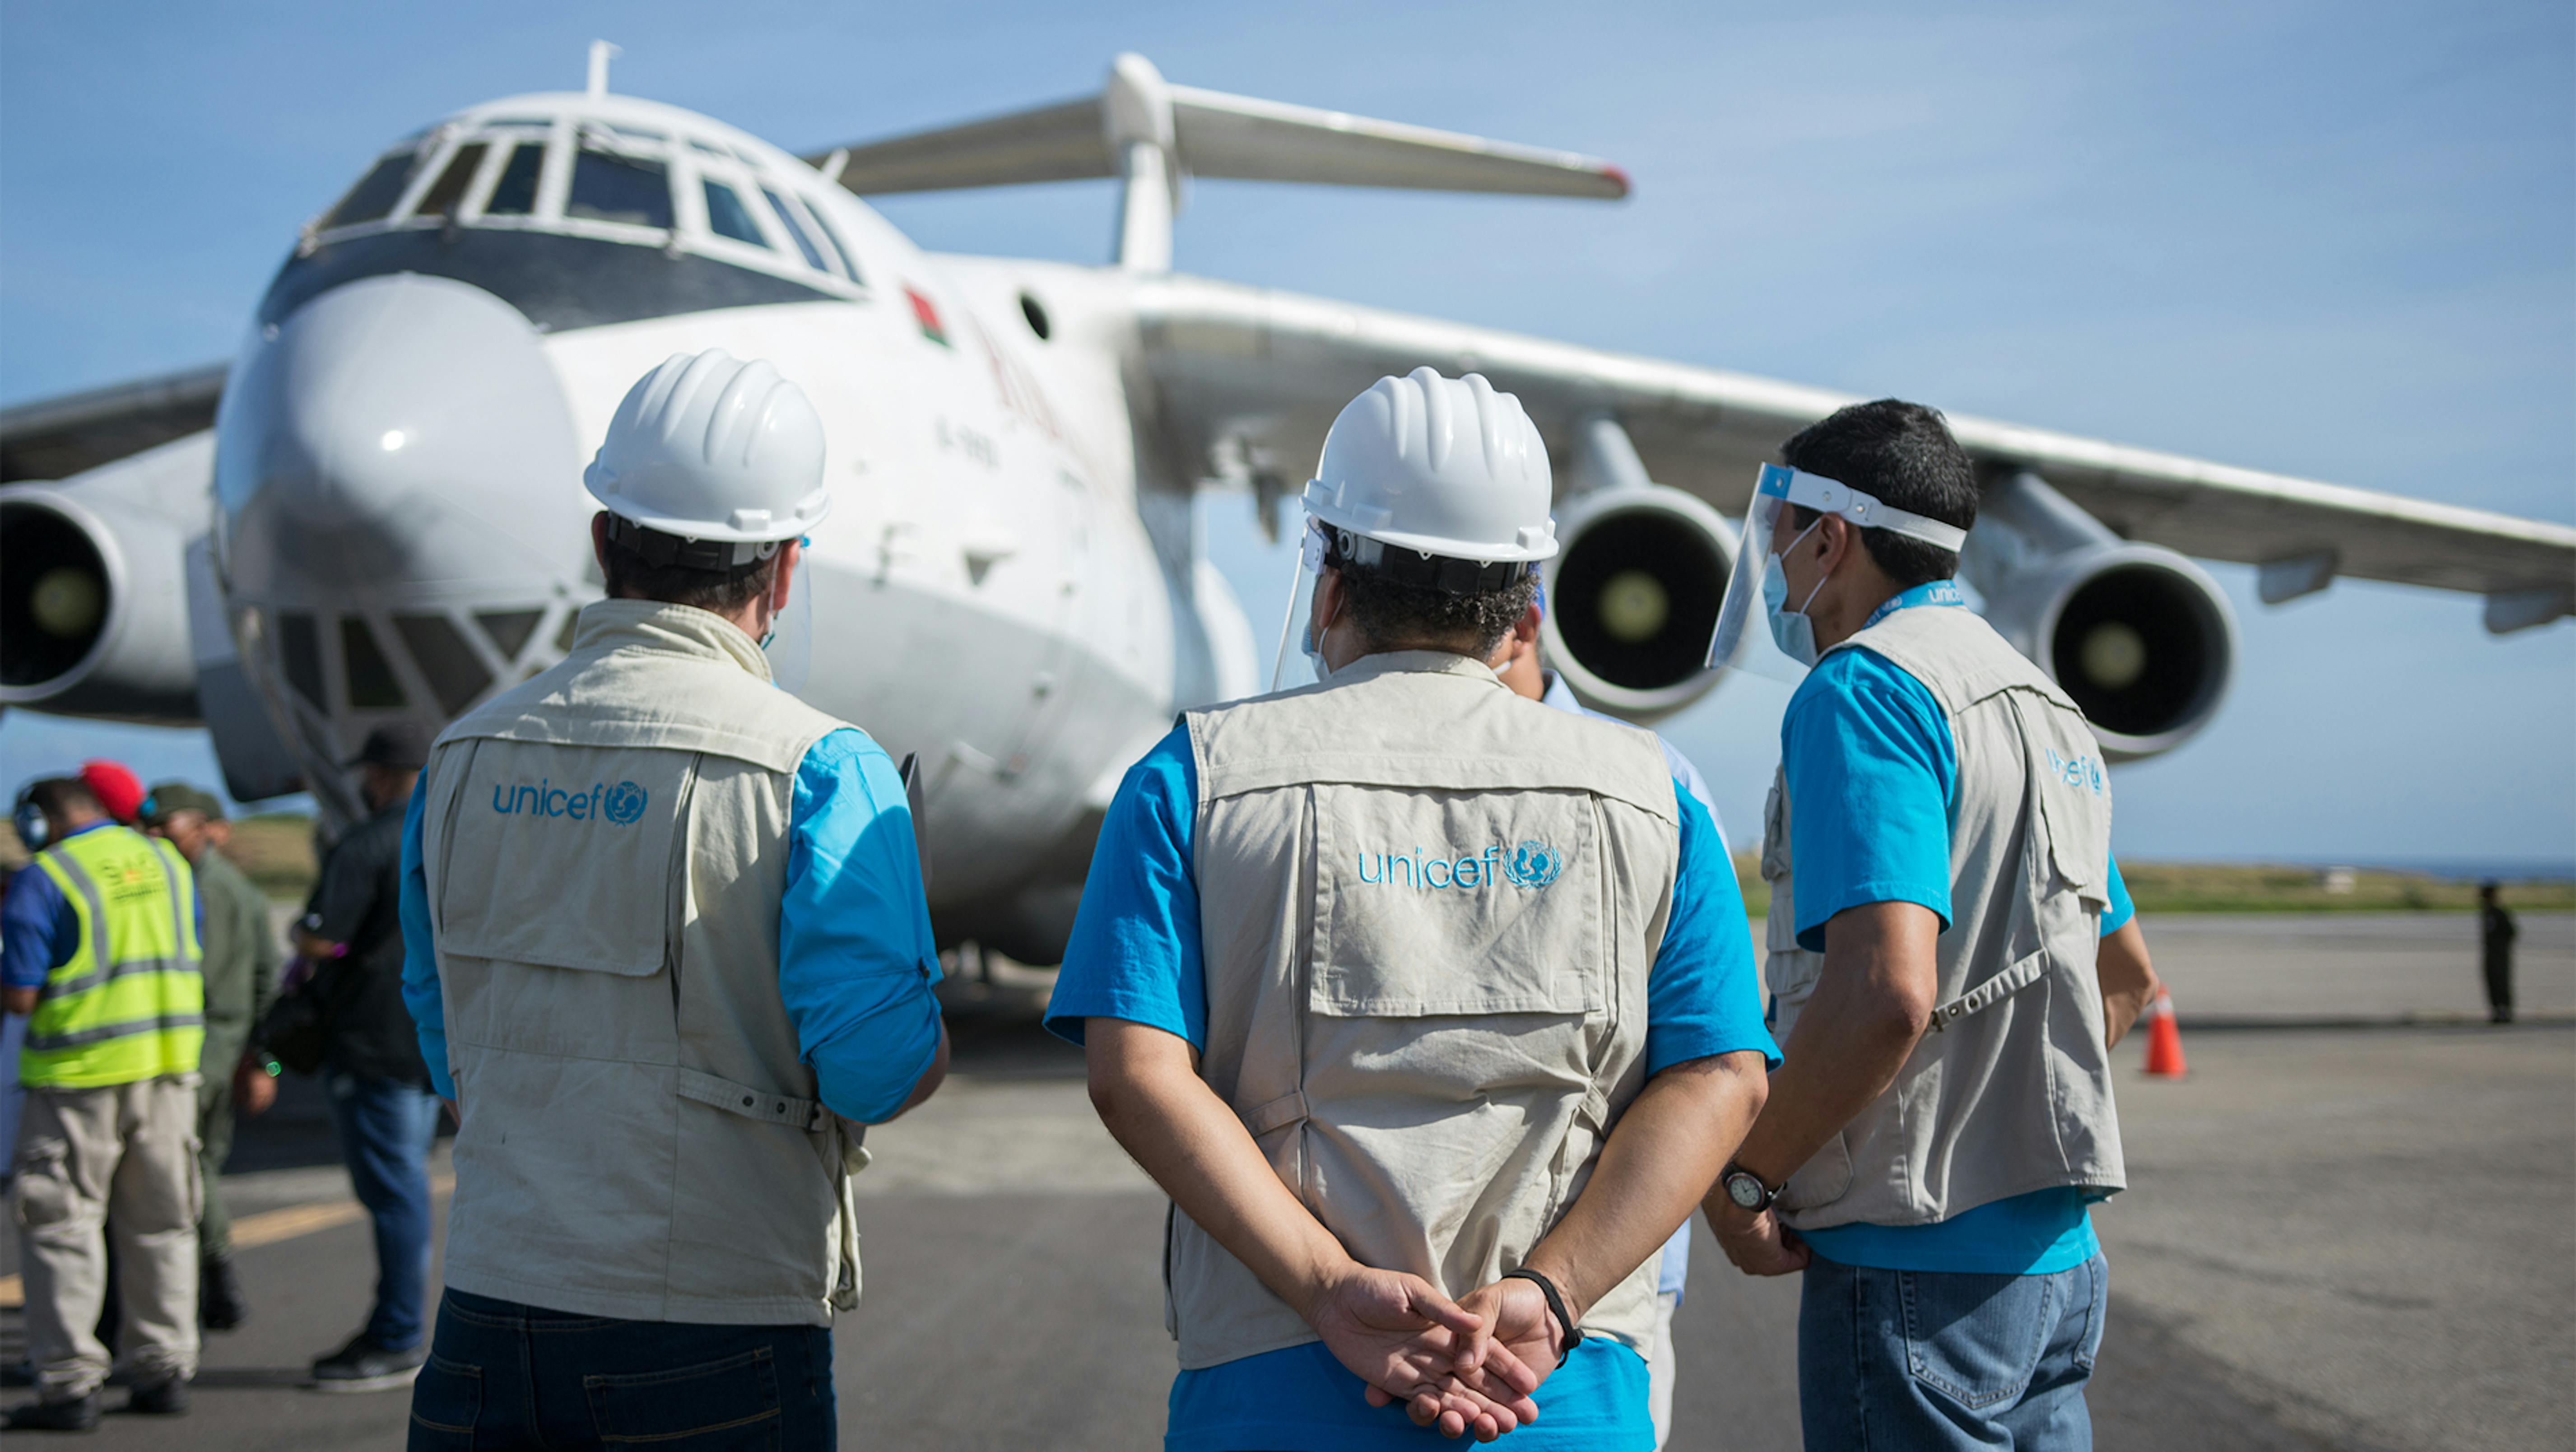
x: 59, y: 985
x: 130, y: 1002
x: 106, y: 1031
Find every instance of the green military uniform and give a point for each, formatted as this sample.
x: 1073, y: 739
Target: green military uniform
x: 241, y: 979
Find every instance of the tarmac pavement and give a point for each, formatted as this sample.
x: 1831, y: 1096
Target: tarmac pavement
x: 2355, y: 1236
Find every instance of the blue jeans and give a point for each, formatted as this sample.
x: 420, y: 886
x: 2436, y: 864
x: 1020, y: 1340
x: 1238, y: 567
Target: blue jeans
x: 1943, y: 1359
x: 385, y: 1131
x: 501, y: 1374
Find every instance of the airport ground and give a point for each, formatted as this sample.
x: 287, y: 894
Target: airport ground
x: 2353, y: 1225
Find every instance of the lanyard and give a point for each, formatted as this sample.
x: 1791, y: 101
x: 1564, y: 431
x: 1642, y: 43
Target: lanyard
x: 1931, y: 592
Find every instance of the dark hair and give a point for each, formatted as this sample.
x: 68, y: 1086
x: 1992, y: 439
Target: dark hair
x: 630, y: 576
x: 61, y: 796
x: 1394, y: 615
x: 1902, y: 453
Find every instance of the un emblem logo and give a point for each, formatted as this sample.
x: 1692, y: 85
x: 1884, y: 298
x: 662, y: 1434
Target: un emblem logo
x: 1534, y: 864
x: 623, y: 803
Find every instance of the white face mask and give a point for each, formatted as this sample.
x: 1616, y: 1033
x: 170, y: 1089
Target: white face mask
x: 1315, y: 656
x: 1791, y: 630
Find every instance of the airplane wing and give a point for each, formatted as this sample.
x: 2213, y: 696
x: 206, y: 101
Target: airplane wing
x: 1252, y: 377
x: 55, y: 438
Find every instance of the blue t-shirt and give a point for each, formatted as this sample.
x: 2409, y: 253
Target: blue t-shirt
x: 1135, y: 955
x: 856, y: 958
x: 1299, y: 1399
x: 1873, y: 778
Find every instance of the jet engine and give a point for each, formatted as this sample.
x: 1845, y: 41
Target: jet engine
x: 1632, y: 598
x: 93, y: 600
x: 2139, y: 636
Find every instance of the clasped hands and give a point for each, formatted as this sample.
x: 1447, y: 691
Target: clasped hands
x: 1464, y: 1366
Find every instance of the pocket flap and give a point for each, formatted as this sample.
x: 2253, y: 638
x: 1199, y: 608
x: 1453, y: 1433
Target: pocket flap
x: 563, y: 856
x: 2073, y: 789
x: 1440, y: 902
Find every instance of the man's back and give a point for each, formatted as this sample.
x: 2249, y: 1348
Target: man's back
x: 357, y: 903
x: 128, y: 1001
x: 605, y: 853
x: 1414, y: 845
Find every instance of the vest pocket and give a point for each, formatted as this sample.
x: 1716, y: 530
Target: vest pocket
x: 1822, y: 1180
x: 563, y: 856
x: 1438, y: 902
x: 2068, y: 780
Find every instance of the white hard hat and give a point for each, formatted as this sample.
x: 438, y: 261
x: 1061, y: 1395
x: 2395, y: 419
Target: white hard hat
x: 1441, y: 466
x: 709, y: 447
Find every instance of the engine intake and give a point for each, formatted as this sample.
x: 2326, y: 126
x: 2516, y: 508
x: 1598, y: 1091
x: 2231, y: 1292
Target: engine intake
x: 1632, y: 598
x: 2140, y: 637
x: 93, y: 615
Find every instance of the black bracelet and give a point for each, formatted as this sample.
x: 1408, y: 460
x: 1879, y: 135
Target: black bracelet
x: 1555, y: 1307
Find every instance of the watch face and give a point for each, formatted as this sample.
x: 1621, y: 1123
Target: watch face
x: 1744, y: 1190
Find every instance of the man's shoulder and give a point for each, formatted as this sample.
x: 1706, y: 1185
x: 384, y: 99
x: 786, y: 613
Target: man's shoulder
x: 220, y: 876
x: 1852, y: 673
x: 1952, y: 653
x: 843, y: 746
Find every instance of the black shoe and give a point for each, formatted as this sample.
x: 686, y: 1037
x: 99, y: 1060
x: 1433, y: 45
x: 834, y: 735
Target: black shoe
x: 71, y: 1414
x: 362, y: 1365
x: 167, y: 1398
x: 219, y: 1295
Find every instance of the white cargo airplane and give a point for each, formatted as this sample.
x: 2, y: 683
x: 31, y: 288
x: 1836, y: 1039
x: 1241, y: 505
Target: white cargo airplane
x: 385, y: 519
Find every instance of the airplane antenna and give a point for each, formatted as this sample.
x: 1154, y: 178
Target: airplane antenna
x: 600, y: 51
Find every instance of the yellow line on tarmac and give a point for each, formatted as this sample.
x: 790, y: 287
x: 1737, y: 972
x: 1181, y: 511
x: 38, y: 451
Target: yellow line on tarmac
x: 265, y: 1228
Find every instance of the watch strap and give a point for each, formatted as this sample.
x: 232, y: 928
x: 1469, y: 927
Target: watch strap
x: 1555, y: 1307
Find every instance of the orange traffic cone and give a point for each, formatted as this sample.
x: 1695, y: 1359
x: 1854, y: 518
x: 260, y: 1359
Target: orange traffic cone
x: 2164, y: 1039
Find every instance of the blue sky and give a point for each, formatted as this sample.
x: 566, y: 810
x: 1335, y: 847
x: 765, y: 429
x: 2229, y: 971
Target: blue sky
x: 2327, y: 239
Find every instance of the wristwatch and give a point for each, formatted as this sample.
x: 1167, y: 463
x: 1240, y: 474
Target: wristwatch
x: 1745, y: 1190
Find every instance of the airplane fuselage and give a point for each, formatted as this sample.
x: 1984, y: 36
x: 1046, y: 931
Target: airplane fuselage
x: 1006, y: 584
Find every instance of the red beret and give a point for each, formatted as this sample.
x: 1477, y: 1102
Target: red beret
x: 116, y: 788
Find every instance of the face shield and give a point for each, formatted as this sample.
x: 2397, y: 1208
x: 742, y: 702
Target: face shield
x: 1783, y: 648
x: 790, y: 642
x: 1298, y: 663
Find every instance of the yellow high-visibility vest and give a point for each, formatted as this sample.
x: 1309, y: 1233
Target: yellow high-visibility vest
x: 131, y: 1002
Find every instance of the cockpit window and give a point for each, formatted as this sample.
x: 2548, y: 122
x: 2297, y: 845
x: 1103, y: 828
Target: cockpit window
x: 728, y: 217
x: 375, y: 193
x: 795, y: 229
x: 449, y: 189
x: 840, y: 249
x: 515, y: 194
x: 611, y: 188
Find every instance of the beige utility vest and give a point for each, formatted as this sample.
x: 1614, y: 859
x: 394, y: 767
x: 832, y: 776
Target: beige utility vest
x: 1428, y: 908
x: 2010, y: 1091
x: 605, y: 849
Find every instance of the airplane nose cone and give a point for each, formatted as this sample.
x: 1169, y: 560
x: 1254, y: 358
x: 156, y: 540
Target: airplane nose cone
x: 398, y: 437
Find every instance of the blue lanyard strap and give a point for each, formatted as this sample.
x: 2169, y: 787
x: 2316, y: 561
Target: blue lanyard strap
x: 1931, y: 592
